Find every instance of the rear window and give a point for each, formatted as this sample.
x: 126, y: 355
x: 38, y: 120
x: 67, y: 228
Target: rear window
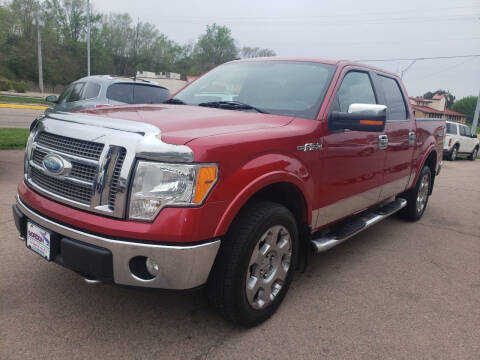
x: 91, y: 90
x: 396, y: 109
x: 452, y: 129
x: 145, y: 94
x: 121, y: 92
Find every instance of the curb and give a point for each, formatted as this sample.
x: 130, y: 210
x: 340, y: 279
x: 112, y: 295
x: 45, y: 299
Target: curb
x: 32, y: 107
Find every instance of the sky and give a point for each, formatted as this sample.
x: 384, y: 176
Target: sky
x: 338, y: 29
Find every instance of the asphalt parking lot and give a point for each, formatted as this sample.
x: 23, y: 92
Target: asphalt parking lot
x: 397, y: 291
x: 18, y: 118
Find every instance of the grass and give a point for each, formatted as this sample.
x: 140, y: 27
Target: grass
x: 13, y: 138
x: 22, y: 100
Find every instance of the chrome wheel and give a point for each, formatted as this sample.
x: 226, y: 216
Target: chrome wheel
x: 268, y: 267
x: 422, y: 194
x: 454, y: 153
x: 474, y: 155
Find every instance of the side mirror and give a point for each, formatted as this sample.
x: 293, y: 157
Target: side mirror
x: 360, y: 117
x: 51, y: 98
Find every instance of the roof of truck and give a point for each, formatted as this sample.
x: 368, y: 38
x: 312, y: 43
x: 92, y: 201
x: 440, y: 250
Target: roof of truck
x: 341, y: 62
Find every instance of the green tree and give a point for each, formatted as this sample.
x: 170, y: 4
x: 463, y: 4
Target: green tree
x: 213, y: 48
x: 466, y: 106
x: 252, y: 52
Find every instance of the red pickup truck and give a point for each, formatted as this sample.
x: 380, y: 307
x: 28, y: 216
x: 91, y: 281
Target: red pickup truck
x: 231, y: 182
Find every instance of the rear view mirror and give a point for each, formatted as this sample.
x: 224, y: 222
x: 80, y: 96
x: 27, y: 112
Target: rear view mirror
x: 360, y: 117
x: 51, y: 98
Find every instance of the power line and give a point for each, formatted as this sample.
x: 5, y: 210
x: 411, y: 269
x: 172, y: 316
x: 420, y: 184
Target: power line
x: 421, y: 58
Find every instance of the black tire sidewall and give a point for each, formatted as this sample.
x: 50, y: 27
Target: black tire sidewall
x: 425, y: 170
x: 248, y: 315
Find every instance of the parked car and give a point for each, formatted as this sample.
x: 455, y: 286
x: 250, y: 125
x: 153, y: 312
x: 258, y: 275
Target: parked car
x: 227, y: 193
x: 459, y: 140
x: 104, y: 90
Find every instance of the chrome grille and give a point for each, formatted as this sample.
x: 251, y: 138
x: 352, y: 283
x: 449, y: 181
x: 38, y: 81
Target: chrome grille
x: 69, y: 191
x: 114, y: 186
x: 91, y: 177
x: 81, y: 148
x: 79, y: 170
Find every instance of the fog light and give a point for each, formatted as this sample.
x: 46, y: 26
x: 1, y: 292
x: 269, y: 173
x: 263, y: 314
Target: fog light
x: 152, y: 267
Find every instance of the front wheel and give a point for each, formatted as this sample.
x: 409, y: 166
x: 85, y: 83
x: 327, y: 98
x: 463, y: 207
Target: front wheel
x: 255, y: 264
x: 417, y: 198
x: 474, y: 154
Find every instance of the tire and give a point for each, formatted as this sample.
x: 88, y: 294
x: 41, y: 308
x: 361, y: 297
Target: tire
x: 247, y: 238
x: 453, y: 153
x: 474, y: 154
x: 417, y: 198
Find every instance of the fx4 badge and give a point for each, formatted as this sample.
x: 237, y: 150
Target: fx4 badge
x: 310, y: 147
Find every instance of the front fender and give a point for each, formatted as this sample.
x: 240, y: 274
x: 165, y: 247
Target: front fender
x: 259, y: 173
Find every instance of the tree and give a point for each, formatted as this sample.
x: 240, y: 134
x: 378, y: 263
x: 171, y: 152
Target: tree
x: 449, y: 97
x: 252, y: 52
x: 213, y: 48
x: 466, y: 106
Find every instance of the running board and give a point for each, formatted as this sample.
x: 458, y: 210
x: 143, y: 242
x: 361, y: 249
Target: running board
x: 355, y: 226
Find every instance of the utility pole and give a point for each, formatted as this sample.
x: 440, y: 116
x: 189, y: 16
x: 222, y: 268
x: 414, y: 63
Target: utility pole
x: 88, y: 37
x: 39, y: 51
x: 475, y: 117
x: 407, y: 68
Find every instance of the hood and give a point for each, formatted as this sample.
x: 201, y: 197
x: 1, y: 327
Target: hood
x: 180, y: 124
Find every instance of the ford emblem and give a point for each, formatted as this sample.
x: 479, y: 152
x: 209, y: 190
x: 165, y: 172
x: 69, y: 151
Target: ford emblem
x: 54, y: 164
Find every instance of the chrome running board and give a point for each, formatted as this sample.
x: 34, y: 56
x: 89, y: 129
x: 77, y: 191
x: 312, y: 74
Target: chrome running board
x: 349, y: 228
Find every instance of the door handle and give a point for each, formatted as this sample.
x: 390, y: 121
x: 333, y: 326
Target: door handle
x: 411, y: 138
x: 382, y: 142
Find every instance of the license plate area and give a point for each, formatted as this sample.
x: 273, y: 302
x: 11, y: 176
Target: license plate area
x: 39, y: 240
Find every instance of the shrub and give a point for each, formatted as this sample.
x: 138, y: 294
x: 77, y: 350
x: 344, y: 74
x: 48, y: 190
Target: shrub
x: 20, y: 86
x: 5, y: 85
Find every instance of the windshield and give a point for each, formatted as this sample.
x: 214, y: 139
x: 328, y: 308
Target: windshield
x: 278, y: 87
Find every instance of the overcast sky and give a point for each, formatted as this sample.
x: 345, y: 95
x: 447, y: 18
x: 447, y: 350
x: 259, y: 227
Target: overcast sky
x: 338, y: 29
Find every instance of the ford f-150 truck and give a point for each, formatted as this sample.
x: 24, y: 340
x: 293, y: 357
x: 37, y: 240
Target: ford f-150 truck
x: 231, y: 182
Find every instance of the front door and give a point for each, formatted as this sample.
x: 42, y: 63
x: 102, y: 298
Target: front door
x: 353, y: 162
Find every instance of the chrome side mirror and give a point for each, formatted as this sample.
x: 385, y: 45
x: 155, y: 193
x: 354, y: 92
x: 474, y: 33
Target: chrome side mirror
x: 359, y: 117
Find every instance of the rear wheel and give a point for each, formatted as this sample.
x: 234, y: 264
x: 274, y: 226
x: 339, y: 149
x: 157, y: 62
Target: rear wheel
x: 453, y: 153
x: 255, y: 264
x: 474, y: 154
x: 417, y: 198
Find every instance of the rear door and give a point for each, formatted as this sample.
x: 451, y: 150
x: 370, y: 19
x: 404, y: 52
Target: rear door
x: 401, y: 132
x: 353, y: 162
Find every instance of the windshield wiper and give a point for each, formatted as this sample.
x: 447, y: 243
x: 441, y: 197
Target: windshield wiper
x: 234, y: 105
x: 175, y: 101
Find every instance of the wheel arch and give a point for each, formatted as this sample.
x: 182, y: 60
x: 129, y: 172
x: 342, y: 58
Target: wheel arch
x: 280, y: 187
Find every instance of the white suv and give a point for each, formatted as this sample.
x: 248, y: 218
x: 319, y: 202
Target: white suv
x: 459, y: 140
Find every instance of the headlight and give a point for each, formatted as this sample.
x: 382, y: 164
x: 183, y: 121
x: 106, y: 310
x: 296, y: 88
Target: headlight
x: 157, y: 185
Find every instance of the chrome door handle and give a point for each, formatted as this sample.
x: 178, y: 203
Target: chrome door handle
x: 411, y: 138
x: 382, y: 142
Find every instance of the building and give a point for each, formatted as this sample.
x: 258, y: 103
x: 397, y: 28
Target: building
x: 166, y: 79
x: 435, y: 108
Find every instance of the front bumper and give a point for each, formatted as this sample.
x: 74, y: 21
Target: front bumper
x: 180, y: 267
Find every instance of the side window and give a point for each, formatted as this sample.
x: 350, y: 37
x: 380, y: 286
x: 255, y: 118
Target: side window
x: 468, y: 132
x: 146, y: 94
x: 121, y: 92
x: 76, y: 93
x: 356, y: 88
x: 452, y: 129
x: 463, y: 130
x: 91, y: 90
x: 394, y: 99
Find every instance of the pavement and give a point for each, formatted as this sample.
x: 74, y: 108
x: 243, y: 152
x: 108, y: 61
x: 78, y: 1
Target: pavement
x: 18, y: 117
x: 396, y: 291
